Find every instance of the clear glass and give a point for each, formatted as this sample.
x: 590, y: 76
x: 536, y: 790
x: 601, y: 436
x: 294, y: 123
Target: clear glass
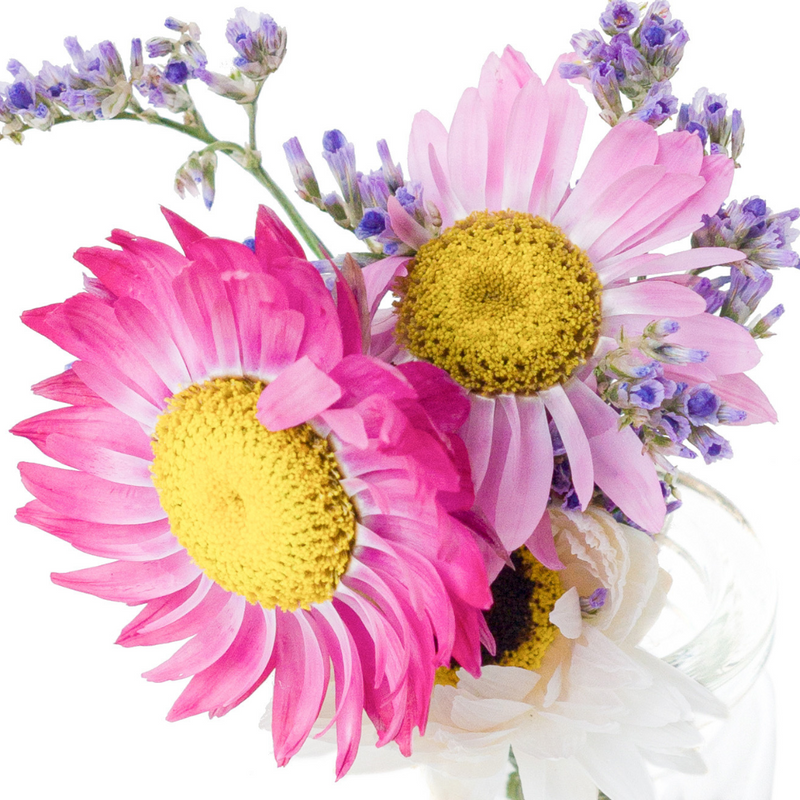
x: 719, y: 620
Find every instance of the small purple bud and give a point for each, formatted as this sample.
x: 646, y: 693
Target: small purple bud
x: 654, y: 34
x: 251, y: 243
x: 756, y: 206
x: 373, y: 223
x: 595, y: 601
x: 700, y: 130
x: 702, y: 405
x: 176, y: 72
x: 19, y: 96
x: 333, y: 140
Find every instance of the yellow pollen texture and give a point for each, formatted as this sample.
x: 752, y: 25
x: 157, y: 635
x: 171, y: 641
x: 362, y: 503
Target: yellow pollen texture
x: 262, y: 513
x: 503, y: 301
x: 523, y: 629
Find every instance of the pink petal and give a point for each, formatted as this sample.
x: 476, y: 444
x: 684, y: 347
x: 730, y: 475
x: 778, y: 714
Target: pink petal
x: 629, y: 145
x: 743, y: 393
x: 477, y: 434
x: 299, y: 393
x: 575, y: 442
x: 207, y: 646
x: 451, y: 208
x: 406, y: 228
x: 427, y: 131
x: 564, y: 130
x: 117, y: 394
x: 542, y: 546
x: 93, y: 499
x: 67, y: 387
x: 680, y: 151
x: 672, y: 190
x: 378, y: 278
x: 656, y: 264
x: 273, y: 239
x: 445, y: 402
x: 348, y: 425
x: 660, y: 298
x: 184, y: 232
x: 525, y: 474
x: 132, y: 581
x: 301, y: 677
x: 233, y: 675
x: 626, y: 474
x: 191, y: 616
x: 145, y: 541
x: 153, y: 342
x: 281, y: 336
x: 525, y: 138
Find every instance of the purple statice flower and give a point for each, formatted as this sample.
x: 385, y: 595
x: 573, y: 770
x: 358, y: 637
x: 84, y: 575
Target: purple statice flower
x: 619, y: 17
x: 707, y: 116
x: 98, y: 87
x: 711, y: 445
x: 259, y: 42
x: 658, y: 105
x: 161, y: 92
x: 197, y: 176
x: 362, y: 203
x: 702, y: 405
x: 595, y: 601
x: 23, y: 100
x: 637, y: 62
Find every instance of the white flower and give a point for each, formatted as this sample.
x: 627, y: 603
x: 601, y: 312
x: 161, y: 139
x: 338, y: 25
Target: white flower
x: 595, y: 709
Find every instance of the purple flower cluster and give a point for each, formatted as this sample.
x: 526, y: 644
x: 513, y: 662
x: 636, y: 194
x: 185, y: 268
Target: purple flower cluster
x: 667, y: 415
x: 259, y: 42
x: 361, y: 204
x: 637, y: 62
x: 766, y: 239
x: 708, y: 117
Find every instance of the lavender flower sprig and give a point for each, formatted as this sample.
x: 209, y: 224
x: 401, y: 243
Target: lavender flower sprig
x: 96, y: 86
x: 637, y: 62
x: 362, y: 203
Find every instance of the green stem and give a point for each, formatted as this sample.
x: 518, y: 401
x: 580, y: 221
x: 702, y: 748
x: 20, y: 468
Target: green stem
x: 514, y: 785
x: 246, y: 158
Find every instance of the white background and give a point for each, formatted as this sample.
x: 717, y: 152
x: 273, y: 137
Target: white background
x: 81, y: 721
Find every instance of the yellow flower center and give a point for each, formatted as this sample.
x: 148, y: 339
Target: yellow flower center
x: 262, y: 513
x: 503, y: 301
x: 519, y: 619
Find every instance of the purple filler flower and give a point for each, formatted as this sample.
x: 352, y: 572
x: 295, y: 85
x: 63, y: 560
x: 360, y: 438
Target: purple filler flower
x: 619, y: 17
x: 259, y: 42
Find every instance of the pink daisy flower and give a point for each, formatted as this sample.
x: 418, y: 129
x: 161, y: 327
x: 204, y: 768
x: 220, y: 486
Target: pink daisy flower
x: 530, y: 280
x: 280, y: 500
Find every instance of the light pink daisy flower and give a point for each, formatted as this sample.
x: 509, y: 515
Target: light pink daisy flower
x: 277, y: 498
x: 530, y: 280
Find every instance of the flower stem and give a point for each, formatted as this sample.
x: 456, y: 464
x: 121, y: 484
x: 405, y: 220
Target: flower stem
x: 248, y: 158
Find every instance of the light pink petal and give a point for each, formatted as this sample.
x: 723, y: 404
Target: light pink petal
x: 145, y: 541
x: 525, y: 137
x: 526, y: 473
x: 67, y: 387
x: 301, y: 677
x: 153, y: 341
x: 575, y: 442
x: 111, y: 465
x: 450, y: 208
x: 477, y: 434
x: 132, y: 581
x: 348, y: 425
x: 378, y: 277
x: 299, y: 393
x: 203, y: 649
x: 498, y: 86
x: 87, y: 497
x: 629, y: 145
x: 542, y: 546
x: 743, y: 393
x: 427, y: 131
x: 160, y: 607
x: 672, y: 190
x: 656, y: 264
x: 349, y: 682
x: 660, y: 298
x: 680, y: 151
x: 280, y: 338
x: 117, y: 394
x: 234, y: 675
x: 406, y: 228
x: 564, y: 130
x: 680, y: 221
x: 626, y: 474
x: 187, y: 617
